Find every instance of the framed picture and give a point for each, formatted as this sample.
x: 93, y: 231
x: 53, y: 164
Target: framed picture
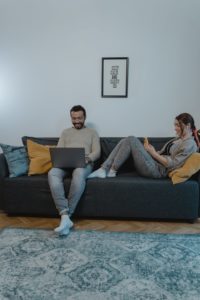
x: 114, y: 81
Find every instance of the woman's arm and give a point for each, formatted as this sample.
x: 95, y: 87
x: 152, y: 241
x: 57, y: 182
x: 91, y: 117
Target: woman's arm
x: 180, y: 151
x: 160, y: 158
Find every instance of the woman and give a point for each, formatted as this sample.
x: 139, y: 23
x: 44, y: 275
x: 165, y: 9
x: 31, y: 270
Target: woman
x: 149, y: 162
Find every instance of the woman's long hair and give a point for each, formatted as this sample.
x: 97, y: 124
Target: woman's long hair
x: 186, y: 119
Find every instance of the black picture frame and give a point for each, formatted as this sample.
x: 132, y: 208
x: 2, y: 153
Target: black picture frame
x: 114, y: 77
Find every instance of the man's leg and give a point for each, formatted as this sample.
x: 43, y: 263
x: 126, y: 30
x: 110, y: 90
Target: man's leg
x: 77, y: 187
x: 55, y: 178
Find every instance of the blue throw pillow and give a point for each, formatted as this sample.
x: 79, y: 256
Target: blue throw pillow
x: 17, y: 159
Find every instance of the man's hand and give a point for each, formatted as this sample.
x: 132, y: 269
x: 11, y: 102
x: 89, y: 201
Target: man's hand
x: 87, y: 160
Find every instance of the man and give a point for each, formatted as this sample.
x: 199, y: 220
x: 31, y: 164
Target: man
x: 77, y: 136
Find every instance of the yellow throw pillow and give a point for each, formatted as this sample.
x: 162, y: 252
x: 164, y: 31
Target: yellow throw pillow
x: 39, y: 157
x: 190, y: 167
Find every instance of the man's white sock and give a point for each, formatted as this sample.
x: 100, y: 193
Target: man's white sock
x: 64, y: 224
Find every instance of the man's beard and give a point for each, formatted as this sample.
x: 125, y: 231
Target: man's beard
x: 78, y: 125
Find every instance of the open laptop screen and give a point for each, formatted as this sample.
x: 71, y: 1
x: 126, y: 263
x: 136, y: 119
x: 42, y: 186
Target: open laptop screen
x: 67, y: 157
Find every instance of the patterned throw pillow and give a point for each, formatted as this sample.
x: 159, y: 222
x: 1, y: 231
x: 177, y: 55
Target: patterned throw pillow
x: 17, y: 159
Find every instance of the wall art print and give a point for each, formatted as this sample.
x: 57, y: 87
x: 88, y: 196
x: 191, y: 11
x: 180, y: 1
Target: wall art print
x: 114, y: 82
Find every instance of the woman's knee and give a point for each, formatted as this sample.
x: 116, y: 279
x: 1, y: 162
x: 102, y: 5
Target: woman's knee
x: 133, y: 140
x: 125, y: 140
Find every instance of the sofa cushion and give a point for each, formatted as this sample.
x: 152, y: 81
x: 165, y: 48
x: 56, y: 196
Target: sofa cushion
x: 17, y: 159
x: 40, y: 140
x: 39, y: 158
x: 190, y: 167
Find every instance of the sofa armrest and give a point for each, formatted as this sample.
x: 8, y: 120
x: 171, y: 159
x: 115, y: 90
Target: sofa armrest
x: 3, y: 166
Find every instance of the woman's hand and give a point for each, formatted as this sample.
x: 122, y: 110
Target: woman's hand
x: 149, y: 148
x: 152, y: 151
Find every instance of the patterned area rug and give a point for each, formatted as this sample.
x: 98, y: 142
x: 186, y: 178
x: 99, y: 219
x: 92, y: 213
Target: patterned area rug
x: 37, y: 264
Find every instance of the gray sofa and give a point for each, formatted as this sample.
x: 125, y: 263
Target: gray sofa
x: 128, y: 196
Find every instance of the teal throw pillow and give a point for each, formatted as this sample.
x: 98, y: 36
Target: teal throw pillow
x: 17, y: 159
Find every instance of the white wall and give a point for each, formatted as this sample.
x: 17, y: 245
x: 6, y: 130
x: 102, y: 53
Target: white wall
x: 50, y: 60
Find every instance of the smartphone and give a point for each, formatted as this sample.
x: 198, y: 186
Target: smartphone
x: 146, y: 141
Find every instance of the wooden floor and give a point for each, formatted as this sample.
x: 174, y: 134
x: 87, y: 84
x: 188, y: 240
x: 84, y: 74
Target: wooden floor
x: 105, y: 225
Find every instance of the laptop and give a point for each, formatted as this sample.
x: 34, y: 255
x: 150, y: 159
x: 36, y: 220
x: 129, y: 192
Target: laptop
x: 67, y: 157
